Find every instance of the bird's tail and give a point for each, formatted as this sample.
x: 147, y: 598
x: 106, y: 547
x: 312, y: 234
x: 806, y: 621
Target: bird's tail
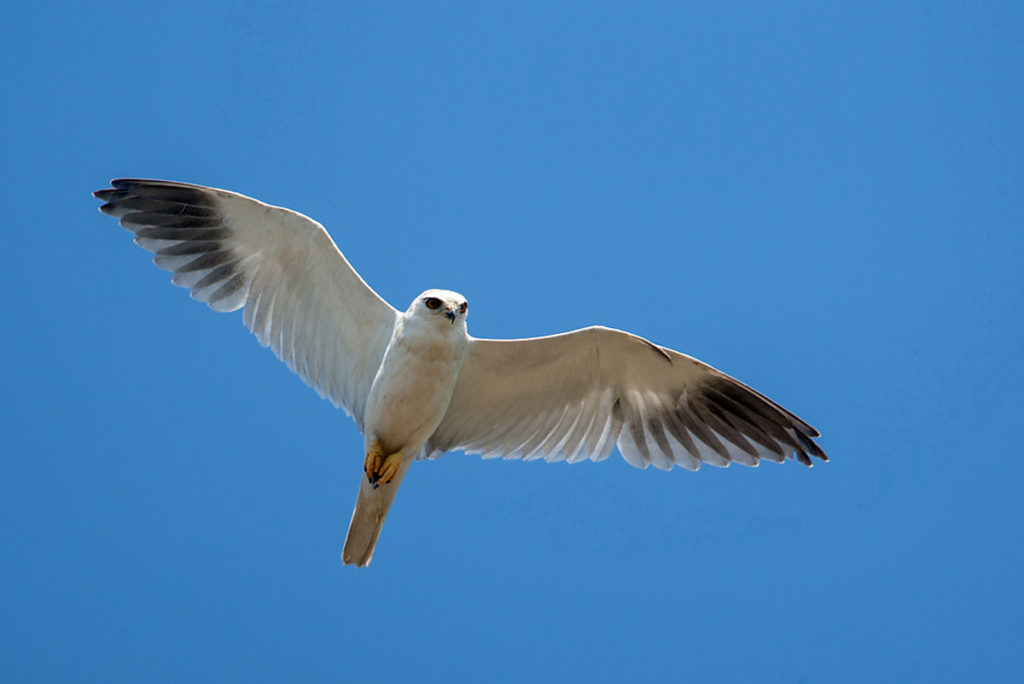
x: 372, y: 507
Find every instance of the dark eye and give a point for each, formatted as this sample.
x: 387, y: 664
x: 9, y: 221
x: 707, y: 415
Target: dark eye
x: 462, y: 309
x: 432, y: 302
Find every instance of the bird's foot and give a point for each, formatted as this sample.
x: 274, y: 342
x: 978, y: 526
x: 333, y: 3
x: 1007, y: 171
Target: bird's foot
x: 381, y: 469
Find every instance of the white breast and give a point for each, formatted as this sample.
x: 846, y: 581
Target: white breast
x: 414, y: 384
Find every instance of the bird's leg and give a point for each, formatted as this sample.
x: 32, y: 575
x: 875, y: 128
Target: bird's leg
x: 380, y: 468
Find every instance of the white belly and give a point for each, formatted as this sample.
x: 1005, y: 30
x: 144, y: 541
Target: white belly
x: 413, y: 387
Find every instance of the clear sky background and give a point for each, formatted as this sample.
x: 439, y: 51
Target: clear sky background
x: 825, y: 200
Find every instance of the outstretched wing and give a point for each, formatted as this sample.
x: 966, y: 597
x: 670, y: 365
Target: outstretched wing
x: 576, y: 396
x: 301, y: 296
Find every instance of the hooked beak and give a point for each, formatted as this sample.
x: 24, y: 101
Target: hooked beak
x: 450, y: 313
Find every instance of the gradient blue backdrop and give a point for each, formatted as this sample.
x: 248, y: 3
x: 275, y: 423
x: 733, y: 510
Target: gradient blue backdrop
x: 823, y: 199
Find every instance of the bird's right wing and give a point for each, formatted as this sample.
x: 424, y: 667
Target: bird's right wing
x: 301, y: 296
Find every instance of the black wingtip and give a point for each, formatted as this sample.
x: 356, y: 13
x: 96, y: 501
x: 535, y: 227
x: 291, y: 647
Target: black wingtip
x: 809, y: 446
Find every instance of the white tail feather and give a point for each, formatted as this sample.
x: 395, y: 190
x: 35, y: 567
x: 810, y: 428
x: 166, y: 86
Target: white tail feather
x: 372, y: 506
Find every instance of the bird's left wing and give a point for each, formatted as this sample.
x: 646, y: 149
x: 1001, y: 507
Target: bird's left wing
x: 577, y: 395
x: 301, y: 296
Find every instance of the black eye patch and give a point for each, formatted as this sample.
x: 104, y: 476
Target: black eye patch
x: 462, y: 309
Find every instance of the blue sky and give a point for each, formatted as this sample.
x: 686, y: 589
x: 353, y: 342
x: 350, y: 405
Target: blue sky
x: 822, y: 199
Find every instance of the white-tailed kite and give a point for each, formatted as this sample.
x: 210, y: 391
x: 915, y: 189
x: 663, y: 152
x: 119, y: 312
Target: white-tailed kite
x: 415, y: 382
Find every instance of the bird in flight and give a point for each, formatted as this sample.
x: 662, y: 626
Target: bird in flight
x: 417, y: 384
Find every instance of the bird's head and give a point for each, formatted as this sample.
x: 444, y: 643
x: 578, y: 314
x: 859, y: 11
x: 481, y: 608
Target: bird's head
x: 440, y: 305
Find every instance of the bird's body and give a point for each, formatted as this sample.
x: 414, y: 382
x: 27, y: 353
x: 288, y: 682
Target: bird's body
x: 417, y: 384
x: 408, y: 398
x: 412, y: 387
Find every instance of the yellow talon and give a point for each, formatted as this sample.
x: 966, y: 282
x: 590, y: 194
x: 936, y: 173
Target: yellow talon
x: 381, y: 469
x: 373, y: 455
x: 390, y: 469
